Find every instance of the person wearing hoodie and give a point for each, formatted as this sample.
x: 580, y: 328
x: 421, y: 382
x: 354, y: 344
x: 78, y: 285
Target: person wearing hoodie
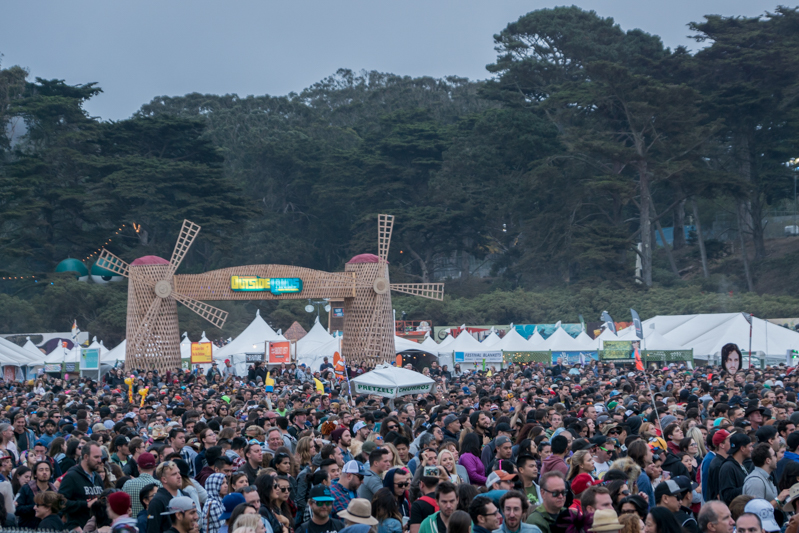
x: 118, y: 507
x: 379, y: 462
x: 82, y: 485
x: 398, y: 480
x: 557, y: 461
x: 447, y: 500
x: 217, y: 487
x: 791, y: 454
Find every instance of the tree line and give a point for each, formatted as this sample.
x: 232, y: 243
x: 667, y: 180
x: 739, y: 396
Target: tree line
x: 583, y: 143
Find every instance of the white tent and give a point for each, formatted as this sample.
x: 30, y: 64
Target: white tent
x: 464, y: 343
x: 116, y: 354
x: 392, y: 382
x: 560, y: 341
x: 706, y: 334
x: 587, y: 343
x: 429, y: 345
x: 492, y: 341
x: 401, y: 345
x: 185, y: 346
x: 449, y: 339
x: 248, y: 340
x: 99, y: 346
x: 655, y: 341
x: 514, y: 342
x: 536, y: 339
x: 315, y: 346
x: 11, y: 354
x: 63, y: 355
x: 36, y: 353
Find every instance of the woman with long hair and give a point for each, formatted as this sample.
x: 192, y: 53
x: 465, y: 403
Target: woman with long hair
x: 396, y: 462
x: 305, y: 450
x: 22, y: 476
x: 695, y: 433
x: 238, y: 481
x: 470, y: 458
x: 265, y: 485
x: 47, y: 506
x: 661, y: 520
x: 466, y: 493
x: 631, y: 523
x: 57, y: 449
x: 459, y: 522
x: 386, y: 510
x: 71, y: 458
x: 446, y: 460
x: 582, y: 462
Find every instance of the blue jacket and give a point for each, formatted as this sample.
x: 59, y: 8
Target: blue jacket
x: 787, y: 458
x: 706, y: 471
x: 645, y: 485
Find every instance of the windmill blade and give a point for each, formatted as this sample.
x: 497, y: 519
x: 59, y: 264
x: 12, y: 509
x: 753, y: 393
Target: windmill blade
x: 212, y: 314
x: 385, y: 224
x: 147, y: 320
x: 109, y: 261
x: 433, y: 291
x: 187, y: 235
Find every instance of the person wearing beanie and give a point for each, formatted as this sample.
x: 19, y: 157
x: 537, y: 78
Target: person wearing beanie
x: 452, y: 428
x: 118, y: 509
x: 721, y: 440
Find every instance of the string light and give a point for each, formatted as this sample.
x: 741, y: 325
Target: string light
x: 100, y: 249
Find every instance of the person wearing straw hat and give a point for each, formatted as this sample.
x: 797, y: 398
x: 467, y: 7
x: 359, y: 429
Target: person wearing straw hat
x: 359, y: 512
x: 606, y: 521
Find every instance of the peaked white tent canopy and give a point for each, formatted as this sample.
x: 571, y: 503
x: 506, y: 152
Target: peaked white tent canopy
x: 429, y: 345
x: 117, y: 354
x: 445, y: 342
x: 587, y: 342
x: 315, y: 346
x: 560, y: 341
x: 185, y: 346
x: 464, y: 343
x: 492, y: 341
x: 248, y: 341
x: 536, y: 339
x: 11, y: 354
x: 392, y: 382
x: 514, y: 342
x: 33, y: 349
x: 99, y: 346
x: 403, y: 345
x: 62, y: 355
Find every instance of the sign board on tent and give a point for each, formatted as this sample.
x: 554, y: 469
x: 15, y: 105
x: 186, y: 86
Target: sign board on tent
x: 90, y: 359
x: 257, y: 357
x: 617, y: 350
x: 391, y: 392
x: 201, y: 352
x: 279, y: 352
x: 667, y: 355
x: 185, y: 364
x: 53, y: 367
x: 9, y: 373
x: 478, y: 357
x: 71, y: 367
x: 575, y: 358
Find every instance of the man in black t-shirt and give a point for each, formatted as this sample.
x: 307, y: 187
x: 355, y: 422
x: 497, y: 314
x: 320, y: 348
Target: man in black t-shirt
x: 320, y: 502
x: 426, y: 505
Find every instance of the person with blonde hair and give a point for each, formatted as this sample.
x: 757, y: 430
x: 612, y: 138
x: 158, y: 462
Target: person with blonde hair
x: 248, y: 521
x: 396, y: 462
x: 446, y: 460
x: 304, y: 452
x: 582, y: 462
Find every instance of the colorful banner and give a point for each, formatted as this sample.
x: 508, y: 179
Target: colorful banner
x: 667, y: 356
x: 276, y: 286
x: 185, y: 364
x: 53, y: 368
x: 575, y: 358
x: 279, y: 352
x: 527, y: 357
x: 90, y: 359
x: 201, y: 353
x: 9, y: 373
x: 478, y: 357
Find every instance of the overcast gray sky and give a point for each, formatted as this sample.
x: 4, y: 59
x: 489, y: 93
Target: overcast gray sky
x: 142, y: 49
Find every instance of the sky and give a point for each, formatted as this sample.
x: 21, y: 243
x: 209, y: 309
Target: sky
x: 139, y: 50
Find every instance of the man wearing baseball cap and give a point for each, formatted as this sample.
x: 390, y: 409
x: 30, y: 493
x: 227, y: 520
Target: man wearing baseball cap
x: 721, y: 441
x: 346, y: 488
x: 133, y: 486
x: 732, y: 473
x: 183, y: 513
x: 321, y: 501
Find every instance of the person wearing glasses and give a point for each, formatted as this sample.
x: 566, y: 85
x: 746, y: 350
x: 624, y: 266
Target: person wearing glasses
x: 398, y: 480
x: 603, y: 452
x: 484, y: 515
x: 553, y: 496
x: 320, y: 502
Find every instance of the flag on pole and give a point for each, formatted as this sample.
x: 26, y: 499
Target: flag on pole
x: 639, y: 332
x: 608, y: 321
x: 269, y: 382
x: 319, y: 386
x: 639, y: 365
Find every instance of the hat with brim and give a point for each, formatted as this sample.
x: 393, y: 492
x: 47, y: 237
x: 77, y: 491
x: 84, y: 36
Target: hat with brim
x: 753, y: 409
x: 604, y: 520
x: 793, y: 497
x: 359, y: 511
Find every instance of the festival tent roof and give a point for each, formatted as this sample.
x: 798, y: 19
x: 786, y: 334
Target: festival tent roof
x: 185, y: 346
x: 117, y: 353
x: 560, y: 341
x: 536, y: 339
x: 492, y: 341
x: 656, y: 341
x: 11, y: 354
x: 463, y: 343
x: 62, y: 355
x: 514, y: 342
x: 392, y: 382
x: 404, y: 345
x: 449, y: 339
x: 429, y: 345
x: 315, y: 339
x: 32, y: 348
x: 295, y: 332
x: 706, y: 334
x: 99, y: 346
x: 248, y: 340
x: 587, y: 342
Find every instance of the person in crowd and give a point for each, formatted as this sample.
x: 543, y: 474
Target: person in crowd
x: 25, y: 501
x: 47, y: 507
x: 553, y: 496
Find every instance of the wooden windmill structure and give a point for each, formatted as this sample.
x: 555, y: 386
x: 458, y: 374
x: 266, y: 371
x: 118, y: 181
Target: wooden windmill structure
x: 153, y: 339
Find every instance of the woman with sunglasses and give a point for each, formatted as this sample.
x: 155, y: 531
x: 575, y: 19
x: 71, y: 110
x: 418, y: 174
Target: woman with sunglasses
x: 398, y: 480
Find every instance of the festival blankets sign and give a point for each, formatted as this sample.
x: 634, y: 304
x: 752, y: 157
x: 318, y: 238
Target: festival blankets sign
x: 478, y: 357
x: 575, y: 358
x: 617, y: 350
x: 391, y: 392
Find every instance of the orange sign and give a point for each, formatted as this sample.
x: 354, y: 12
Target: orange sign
x: 201, y: 352
x: 279, y: 352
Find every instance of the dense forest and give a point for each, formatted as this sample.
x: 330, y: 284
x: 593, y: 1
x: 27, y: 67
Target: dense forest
x: 560, y: 171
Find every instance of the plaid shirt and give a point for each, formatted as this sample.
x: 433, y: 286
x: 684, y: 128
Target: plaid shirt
x: 133, y: 487
x: 342, y: 497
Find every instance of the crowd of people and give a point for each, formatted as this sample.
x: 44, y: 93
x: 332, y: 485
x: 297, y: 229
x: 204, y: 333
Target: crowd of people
x: 529, y: 448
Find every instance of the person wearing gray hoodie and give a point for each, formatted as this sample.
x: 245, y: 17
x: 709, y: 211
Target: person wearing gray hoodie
x: 379, y: 463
